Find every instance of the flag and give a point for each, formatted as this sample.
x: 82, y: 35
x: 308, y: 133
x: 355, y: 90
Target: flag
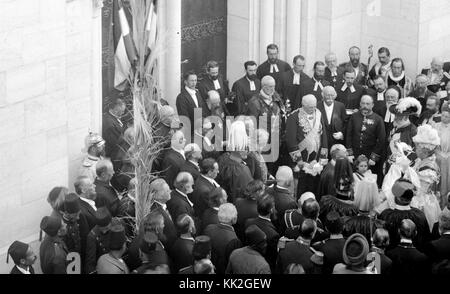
x: 125, y: 51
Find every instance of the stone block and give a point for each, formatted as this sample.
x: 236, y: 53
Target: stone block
x: 76, y: 142
x: 12, y: 161
x: 78, y: 81
x: 2, y: 89
x: 18, y: 13
x: 238, y: 8
x: 40, y: 43
x: 12, y: 123
x: 25, y: 82
x: 35, y: 150
x: 56, y: 144
x: 78, y: 16
x: 56, y: 74
x: 79, y: 113
x: 52, y: 13
x: 10, y: 49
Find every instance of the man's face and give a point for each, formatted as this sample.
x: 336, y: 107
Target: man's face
x: 319, y: 72
x: 383, y: 58
x: 349, y: 78
x: 272, y: 55
x: 396, y: 68
x: 379, y: 85
x: 309, y: 107
x: 189, y: 186
x: 354, y: 55
x: 431, y: 104
x: 299, y: 65
x: 30, y: 257
x: 421, y: 83
x: 214, y: 73
x: 88, y: 190
x: 251, y: 72
x: 62, y: 230
x: 215, y: 171
x: 120, y: 109
x: 366, y: 105
x: 391, y: 97
x: 331, y: 61
x: 436, y: 66
x: 191, y: 82
x: 215, y: 103
x: 269, y: 88
x: 166, y: 192
x: 72, y: 217
x: 328, y: 98
x: 341, y: 154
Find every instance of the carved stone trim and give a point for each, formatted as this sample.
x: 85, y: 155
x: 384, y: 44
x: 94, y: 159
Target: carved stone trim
x: 203, y: 30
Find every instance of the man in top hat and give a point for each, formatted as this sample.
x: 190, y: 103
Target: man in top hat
x: 406, y: 259
x: 77, y: 226
x: 250, y: 259
x: 354, y: 255
x: 112, y: 263
x: 97, y: 242
x: 152, y: 259
x: 437, y: 76
x: 403, y: 191
x: 200, y: 251
x: 53, y: 251
x: 23, y: 256
x: 95, y: 147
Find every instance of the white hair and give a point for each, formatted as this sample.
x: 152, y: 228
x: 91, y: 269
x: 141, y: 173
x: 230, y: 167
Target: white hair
x: 227, y: 213
x: 284, y: 174
x: 335, y: 148
x: 238, y: 138
x: 213, y: 95
x: 266, y: 80
x: 329, y: 89
x: 310, y: 98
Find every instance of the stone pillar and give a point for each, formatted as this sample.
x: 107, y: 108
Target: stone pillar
x: 266, y: 25
x: 280, y: 27
x: 172, y: 65
x: 96, y: 69
x: 308, y: 33
x: 293, y: 28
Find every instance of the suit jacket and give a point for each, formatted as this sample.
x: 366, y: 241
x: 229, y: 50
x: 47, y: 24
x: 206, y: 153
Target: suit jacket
x: 88, y: 212
x: 337, y: 124
x: 112, y: 132
x: 246, y: 209
x: 264, y: 70
x: 206, y: 85
x: 334, y: 80
x: 107, y: 264
x: 16, y: 271
x: 97, y: 244
x: 186, y: 105
x: 272, y: 237
x: 181, y: 253
x: 362, y: 74
x: 190, y: 168
x: 170, y: 230
x: 106, y: 196
x: 294, y: 93
x: 422, y: 98
x: 439, y: 249
x: 209, y: 217
x: 349, y: 99
x: 295, y: 252
x: 380, y: 108
x: 200, y: 196
x: 332, y: 251
x: 223, y: 242
x: 406, y: 259
x: 52, y: 253
x: 171, y: 165
x: 284, y: 200
x: 178, y: 204
x: 243, y: 94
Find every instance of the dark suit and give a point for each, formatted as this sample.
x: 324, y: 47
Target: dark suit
x: 170, y: 230
x: 334, y: 80
x: 284, y: 200
x: 294, y: 252
x: 88, y: 212
x: 243, y: 94
x: 337, y: 123
x: 186, y: 105
x: 362, y: 74
x: 181, y: 253
x: 380, y: 108
x: 106, y: 196
x: 52, y: 254
x: 178, y: 204
x: 246, y: 209
x: 97, y: 244
x: 439, y: 249
x: 223, y: 242
x: 349, y: 99
x: 294, y: 93
x: 206, y: 85
x: 264, y: 70
x: 16, y: 271
x: 171, y: 165
x: 422, y: 98
x: 332, y: 251
x: 190, y: 168
x: 112, y: 131
x: 407, y: 260
x: 200, y: 196
x: 209, y: 217
x: 272, y: 237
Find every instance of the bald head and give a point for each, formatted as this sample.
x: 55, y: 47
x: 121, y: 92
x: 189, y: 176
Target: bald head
x: 284, y: 176
x: 407, y: 229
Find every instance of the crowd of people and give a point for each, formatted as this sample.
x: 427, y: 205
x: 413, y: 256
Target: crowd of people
x: 343, y: 172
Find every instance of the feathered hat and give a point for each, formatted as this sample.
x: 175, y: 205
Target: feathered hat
x: 427, y: 135
x: 406, y: 106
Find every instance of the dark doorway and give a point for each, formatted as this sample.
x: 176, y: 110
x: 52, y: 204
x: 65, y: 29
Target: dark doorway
x: 203, y: 34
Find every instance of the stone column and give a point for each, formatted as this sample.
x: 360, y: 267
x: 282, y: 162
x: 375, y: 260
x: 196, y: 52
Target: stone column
x: 96, y: 69
x: 172, y: 66
x: 293, y: 28
x: 266, y: 24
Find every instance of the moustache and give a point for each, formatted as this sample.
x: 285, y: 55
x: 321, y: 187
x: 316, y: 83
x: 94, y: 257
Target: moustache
x: 251, y: 77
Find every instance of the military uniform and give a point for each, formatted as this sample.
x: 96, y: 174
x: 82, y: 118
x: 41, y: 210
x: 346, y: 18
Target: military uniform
x: 88, y: 167
x: 53, y: 252
x: 97, y: 244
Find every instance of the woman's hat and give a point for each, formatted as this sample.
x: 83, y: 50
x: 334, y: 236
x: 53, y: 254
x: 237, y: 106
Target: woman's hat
x: 406, y: 106
x: 355, y: 250
x: 426, y: 134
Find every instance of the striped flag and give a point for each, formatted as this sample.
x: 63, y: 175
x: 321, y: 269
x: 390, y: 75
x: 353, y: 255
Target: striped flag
x: 125, y: 51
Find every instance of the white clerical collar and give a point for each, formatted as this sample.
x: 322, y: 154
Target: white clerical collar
x: 273, y: 68
x: 317, y: 84
x: 216, y: 208
x: 252, y: 84
x: 90, y: 202
x: 24, y: 271
x: 181, y: 152
x: 344, y: 87
x: 216, y: 84
x: 380, y: 96
x: 446, y: 233
x: 402, y: 207
x: 212, y: 181
x: 402, y: 240
x: 190, y: 91
x: 333, y: 72
x: 337, y: 236
x: 187, y: 238
x: 296, y: 79
x: 187, y: 198
x: 265, y: 218
x: 163, y: 205
x: 396, y: 79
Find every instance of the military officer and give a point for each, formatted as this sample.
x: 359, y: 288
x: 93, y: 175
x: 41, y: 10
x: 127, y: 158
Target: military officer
x: 53, y: 250
x: 97, y: 242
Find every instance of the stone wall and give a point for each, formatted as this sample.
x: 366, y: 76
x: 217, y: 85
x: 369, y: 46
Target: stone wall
x: 49, y: 100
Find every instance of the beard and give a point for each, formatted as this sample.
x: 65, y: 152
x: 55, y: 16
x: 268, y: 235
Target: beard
x: 272, y: 60
x: 214, y: 77
x: 251, y: 77
x: 319, y: 78
x: 354, y: 62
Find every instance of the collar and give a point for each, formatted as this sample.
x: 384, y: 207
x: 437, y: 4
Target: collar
x: 227, y: 225
x: 187, y: 238
x: 282, y: 188
x: 333, y: 71
x: 90, y: 202
x: 216, y: 208
x: 296, y: 73
x: 405, y: 241
x: 93, y: 158
x: 194, y: 163
x: 303, y: 241
x: 212, y: 181
x: 326, y: 105
x: 24, y: 271
x: 265, y: 96
x: 344, y: 87
x: 396, y: 79
x: 190, y: 91
x: 446, y: 233
x: 118, y: 118
x: 337, y: 236
x: 163, y: 205
x: 180, y: 152
x: 264, y: 218
x: 402, y: 207
x: 250, y: 81
x: 185, y: 196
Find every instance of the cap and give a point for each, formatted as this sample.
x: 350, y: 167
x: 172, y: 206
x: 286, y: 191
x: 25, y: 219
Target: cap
x: 102, y: 217
x: 17, y: 250
x: 254, y: 235
x: 50, y: 225
x: 71, y: 203
x: 117, y: 237
x: 148, y: 242
x: 93, y: 139
x: 355, y: 249
x: 202, y: 247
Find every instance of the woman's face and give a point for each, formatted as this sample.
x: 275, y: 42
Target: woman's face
x: 445, y: 117
x: 362, y: 167
x: 422, y: 152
